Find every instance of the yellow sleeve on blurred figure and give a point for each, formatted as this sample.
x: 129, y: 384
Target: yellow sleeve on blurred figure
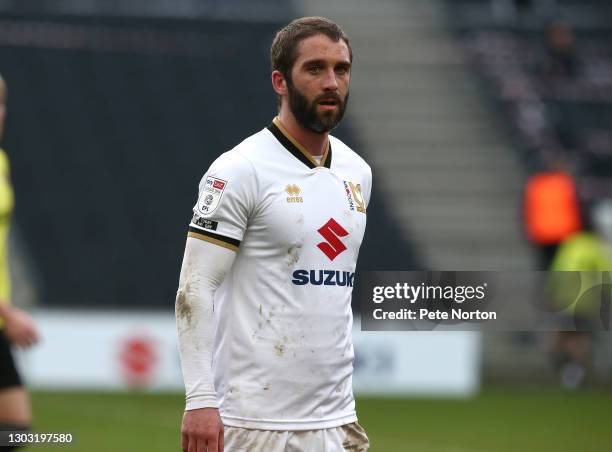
x: 6, y: 208
x: 582, y: 252
x: 588, y: 254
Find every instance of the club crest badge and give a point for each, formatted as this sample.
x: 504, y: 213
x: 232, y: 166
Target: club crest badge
x: 354, y: 196
x: 211, y: 194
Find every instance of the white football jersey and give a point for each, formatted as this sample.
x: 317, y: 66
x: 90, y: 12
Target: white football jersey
x: 283, y: 353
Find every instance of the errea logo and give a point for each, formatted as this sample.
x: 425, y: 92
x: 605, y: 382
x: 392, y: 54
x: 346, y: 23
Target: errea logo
x: 331, y: 231
x: 293, y: 191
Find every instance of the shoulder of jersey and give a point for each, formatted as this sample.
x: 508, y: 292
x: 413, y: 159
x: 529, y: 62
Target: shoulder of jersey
x: 239, y: 158
x: 248, y: 150
x: 342, y: 151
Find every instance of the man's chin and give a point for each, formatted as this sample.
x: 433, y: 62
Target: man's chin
x: 320, y: 121
x: 322, y: 127
x: 318, y: 128
x: 326, y: 122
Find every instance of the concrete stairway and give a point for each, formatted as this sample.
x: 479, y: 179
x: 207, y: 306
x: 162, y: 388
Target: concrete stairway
x: 438, y: 153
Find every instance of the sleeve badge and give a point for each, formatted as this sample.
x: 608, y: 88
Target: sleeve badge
x: 211, y: 194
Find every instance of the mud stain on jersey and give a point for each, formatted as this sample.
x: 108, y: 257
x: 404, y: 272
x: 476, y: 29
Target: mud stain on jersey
x: 264, y: 321
x: 356, y: 438
x: 293, y: 254
x: 183, y: 309
x: 233, y: 389
x: 280, y: 349
x: 281, y: 346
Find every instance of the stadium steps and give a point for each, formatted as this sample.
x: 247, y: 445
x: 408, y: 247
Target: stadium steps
x: 438, y: 153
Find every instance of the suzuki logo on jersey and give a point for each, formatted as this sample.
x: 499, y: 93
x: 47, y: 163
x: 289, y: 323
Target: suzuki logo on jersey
x: 332, y: 248
x: 330, y: 232
x: 323, y: 277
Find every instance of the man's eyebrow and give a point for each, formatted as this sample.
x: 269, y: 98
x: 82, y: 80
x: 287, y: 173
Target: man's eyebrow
x: 323, y: 62
x: 313, y: 61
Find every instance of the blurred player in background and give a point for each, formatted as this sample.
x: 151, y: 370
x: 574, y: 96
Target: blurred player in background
x: 586, y: 310
x: 16, y: 327
x: 264, y: 302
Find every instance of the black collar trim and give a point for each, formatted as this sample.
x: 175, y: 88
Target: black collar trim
x: 297, y: 153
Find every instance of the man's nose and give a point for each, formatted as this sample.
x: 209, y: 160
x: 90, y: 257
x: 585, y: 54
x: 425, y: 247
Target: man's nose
x: 330, y: 83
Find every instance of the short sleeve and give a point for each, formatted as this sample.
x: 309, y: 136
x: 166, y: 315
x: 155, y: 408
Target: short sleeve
x: 226, y: 197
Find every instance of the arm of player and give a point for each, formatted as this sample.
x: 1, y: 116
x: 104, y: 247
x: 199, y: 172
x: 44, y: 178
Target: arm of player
x: 19, y: 327
x: 204, y: 268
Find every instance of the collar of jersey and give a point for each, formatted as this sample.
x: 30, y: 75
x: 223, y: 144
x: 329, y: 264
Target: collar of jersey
x: 298, y: 151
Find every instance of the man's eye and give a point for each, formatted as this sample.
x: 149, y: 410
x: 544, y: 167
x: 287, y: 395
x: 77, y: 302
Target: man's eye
x: 341, y: 70
x: 314, y: 69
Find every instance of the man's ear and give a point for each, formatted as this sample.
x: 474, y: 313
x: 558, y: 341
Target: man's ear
x: 279, y: 84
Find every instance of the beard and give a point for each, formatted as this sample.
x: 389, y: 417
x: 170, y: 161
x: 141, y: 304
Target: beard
x: 309, y: 117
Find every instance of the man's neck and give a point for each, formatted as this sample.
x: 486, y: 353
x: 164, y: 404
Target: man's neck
x: 314, y: 143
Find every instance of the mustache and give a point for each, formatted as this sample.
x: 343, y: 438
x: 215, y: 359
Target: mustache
x: 328, y: 96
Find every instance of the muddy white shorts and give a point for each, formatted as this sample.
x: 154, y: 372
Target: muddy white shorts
x: 350, y: 437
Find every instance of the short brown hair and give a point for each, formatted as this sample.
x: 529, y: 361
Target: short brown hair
x: 283, y: 52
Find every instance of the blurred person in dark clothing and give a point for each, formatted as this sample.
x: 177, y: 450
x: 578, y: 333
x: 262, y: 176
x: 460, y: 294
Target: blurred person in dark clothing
x: 16, y: 327
x: 562, y: 60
